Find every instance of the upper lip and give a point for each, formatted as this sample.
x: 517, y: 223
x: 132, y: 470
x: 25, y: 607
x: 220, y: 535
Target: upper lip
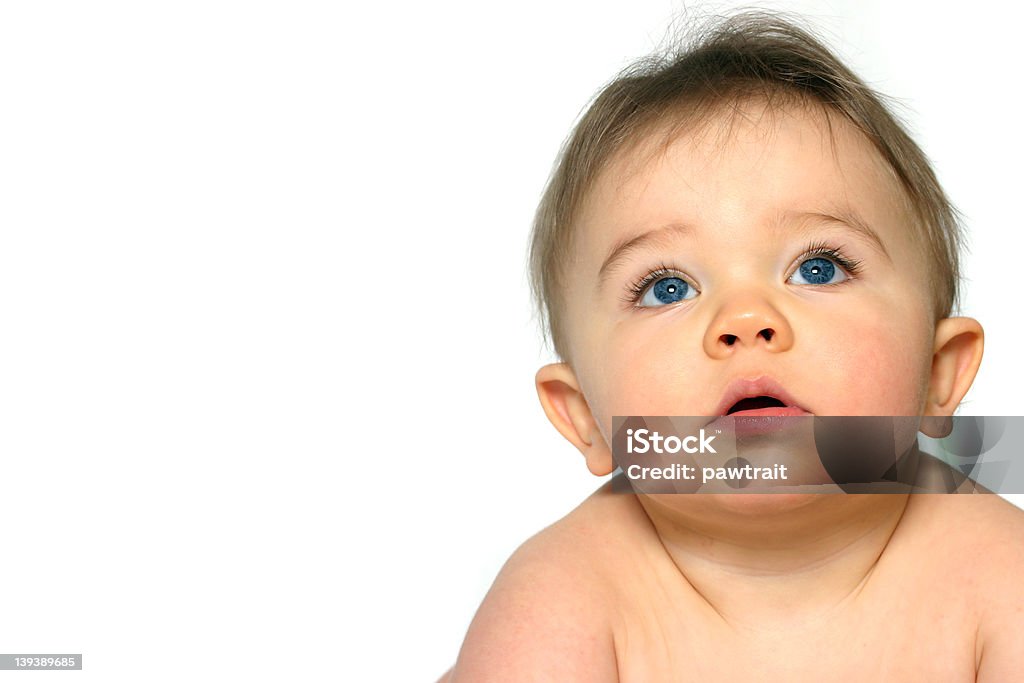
x: 740, y: 389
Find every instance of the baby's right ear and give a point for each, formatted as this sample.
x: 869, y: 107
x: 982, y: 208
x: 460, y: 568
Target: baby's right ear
x: 567, y: 409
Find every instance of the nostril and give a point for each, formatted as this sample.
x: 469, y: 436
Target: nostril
x: 767, y: 333
x: 729, y: 339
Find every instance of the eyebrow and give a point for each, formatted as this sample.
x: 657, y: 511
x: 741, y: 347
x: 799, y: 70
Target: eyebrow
x: 666, y: 234
x: 849, y: 218
x: 621, y: 251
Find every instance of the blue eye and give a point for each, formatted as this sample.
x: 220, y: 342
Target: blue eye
x: 667, y: 290
x: 818, y: 271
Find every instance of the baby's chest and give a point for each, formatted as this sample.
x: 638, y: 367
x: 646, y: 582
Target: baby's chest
x: 920, y: 644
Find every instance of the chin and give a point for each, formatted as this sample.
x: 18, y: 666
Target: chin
x: 757, y: 504
x: 745, y: 508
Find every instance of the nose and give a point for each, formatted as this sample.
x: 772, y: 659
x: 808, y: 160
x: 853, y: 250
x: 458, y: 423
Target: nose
x: 747, y: 321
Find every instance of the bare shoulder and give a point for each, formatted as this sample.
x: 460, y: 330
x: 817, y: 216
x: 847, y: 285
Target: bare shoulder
x: 983, y: 540
x: 983, y: 533
x: 1002, y: 592
x: 548, y: 614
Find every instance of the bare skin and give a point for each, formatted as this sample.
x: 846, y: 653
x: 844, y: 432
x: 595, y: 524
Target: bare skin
x: 934, y: 597
x: 792, y: 587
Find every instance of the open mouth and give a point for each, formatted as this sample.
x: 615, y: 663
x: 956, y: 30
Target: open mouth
x: 762, y: 398
x: 755, y: 403
x: 762, y: 414
x: 756, y: 406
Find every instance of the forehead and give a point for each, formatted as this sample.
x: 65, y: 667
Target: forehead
x: 740, y: 172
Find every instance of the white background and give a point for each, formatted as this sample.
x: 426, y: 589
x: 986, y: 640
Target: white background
x: 266, y: 348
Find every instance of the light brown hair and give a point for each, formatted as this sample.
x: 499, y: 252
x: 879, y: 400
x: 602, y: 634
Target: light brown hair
x: 753, y: 54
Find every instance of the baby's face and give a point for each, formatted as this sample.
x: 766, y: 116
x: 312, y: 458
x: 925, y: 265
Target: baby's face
x: 769, y: 251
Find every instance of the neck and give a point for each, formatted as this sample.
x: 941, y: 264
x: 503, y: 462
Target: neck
x: 769, y: 559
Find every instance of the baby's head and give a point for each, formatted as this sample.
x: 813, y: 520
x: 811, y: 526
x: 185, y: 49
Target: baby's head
x: 746, y: 209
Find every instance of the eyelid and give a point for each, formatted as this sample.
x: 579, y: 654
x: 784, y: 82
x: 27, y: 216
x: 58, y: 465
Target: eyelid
x: 834, y: 253
x: 636, y: 290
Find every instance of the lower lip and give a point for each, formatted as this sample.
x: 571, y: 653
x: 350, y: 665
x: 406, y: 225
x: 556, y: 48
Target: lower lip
x: 759, y: 421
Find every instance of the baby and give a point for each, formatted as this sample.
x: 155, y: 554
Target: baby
x: 747, y: 219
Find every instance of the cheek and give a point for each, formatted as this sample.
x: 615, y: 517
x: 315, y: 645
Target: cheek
x: 644, y: 371
x: 876, y: 367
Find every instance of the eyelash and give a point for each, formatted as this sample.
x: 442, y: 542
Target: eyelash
x: 836, y: 254
x: 636, y: 289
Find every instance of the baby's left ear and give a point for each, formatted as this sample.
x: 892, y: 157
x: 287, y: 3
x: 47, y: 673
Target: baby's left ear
x: 959, y: 344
